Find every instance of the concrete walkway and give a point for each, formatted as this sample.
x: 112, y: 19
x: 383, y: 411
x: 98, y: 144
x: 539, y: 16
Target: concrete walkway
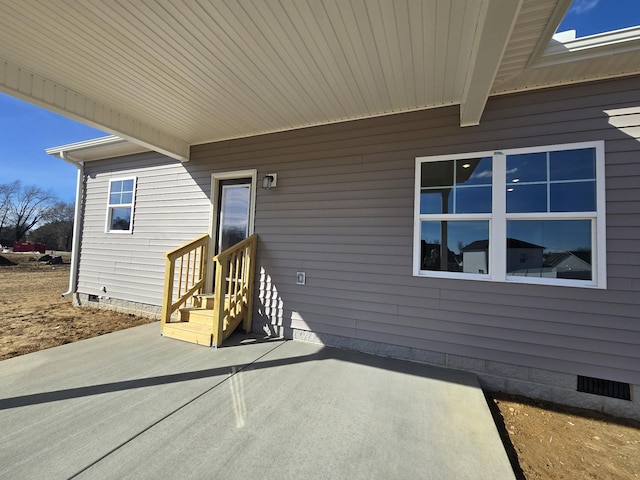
x: 132, y: 404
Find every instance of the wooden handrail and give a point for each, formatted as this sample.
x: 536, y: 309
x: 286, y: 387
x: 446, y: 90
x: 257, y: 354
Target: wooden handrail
x: 191, y: 278
x: 235, y: 269
x: 184, y: 248
x: 233, y: 294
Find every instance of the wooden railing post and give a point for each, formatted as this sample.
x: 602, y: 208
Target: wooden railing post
x: 222, y: 271
x: 250, y: 266
x: 168, y: 293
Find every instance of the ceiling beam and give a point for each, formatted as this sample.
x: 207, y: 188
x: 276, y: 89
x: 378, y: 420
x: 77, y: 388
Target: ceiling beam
x: 498, y: 18
x: 33, y: 88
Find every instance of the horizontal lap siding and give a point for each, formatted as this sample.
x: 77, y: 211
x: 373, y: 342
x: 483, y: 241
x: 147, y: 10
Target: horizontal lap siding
x: 343, y: 213
x: 172, y: 206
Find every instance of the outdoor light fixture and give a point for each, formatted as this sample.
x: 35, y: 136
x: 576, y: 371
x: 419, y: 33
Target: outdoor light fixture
x: 269, y: 181
x: 466, y: 165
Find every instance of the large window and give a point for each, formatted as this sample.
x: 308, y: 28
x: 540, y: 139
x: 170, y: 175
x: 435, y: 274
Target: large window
x: 527, y: 215
x: 120, y: 205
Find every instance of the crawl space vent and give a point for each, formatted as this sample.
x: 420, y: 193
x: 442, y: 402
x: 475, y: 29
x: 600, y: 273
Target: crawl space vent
x: 606, y: 388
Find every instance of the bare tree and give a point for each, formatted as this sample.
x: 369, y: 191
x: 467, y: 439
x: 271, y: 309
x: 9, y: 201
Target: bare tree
x: 24, y: 207
x: 7, y: 193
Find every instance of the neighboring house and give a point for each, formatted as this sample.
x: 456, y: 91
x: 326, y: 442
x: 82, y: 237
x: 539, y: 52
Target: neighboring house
x: 356, y: 205
x: 570, y: 264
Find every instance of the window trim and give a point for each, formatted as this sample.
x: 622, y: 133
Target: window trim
x: 110, y: 206
x: 498, y: 218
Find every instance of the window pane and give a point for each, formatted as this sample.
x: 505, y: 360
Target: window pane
x: 116, y: 186
x: 475, y: 171
x: 527, y: 198
x: 114, y: 199
x: 234, y: 215
x: 473, y: 200
x: 549, y: 248
x: 437, y: 174
x: 121, y: 191
x: 573, y: 197
x: 527, y: 167
x: 436, y: 201
x: 120, y: 218
x: 573, y: 164
x: 467, y: 246
x: 127, y: 185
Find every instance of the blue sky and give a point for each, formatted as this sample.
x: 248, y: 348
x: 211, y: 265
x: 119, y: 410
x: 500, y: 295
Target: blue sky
x: 26, y: 131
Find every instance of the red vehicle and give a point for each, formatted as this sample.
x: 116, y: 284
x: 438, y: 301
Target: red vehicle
x: 29, y: 247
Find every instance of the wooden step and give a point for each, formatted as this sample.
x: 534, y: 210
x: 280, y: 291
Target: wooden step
x: 189, y: 332
x: 202, y: 316
x: 205, y: 300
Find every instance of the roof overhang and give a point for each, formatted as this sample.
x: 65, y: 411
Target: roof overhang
x: 96, y: 149
x: 174, y: 74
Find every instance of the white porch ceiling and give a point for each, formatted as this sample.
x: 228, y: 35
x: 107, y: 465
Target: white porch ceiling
x: 168, y: 74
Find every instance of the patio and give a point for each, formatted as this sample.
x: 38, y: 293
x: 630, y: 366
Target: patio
x: 132, y: 404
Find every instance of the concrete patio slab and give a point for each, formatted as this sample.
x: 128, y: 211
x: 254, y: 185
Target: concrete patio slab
x: 134, y: 405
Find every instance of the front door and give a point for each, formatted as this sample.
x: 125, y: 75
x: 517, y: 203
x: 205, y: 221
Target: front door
x: 233, y: 198
x: 234, y: 212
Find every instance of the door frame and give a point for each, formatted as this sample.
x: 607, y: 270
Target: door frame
x: 216, y: 178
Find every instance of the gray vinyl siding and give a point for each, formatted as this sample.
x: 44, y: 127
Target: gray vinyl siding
x: 170, y: 208
x: 343, y: 213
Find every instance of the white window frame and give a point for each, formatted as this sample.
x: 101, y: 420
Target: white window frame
x: 111, y: 206
x: 498, y: 218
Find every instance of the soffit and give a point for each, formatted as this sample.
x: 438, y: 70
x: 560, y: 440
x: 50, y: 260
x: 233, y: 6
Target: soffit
x: 169, y: 74
x: 194, y: 72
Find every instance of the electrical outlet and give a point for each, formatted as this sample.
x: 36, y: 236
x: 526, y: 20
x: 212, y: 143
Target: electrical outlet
x: 301, y: 278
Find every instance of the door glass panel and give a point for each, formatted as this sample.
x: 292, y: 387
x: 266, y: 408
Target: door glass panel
x: 234, y: 215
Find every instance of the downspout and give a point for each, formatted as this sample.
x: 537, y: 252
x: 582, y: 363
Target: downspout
x: 75, y: 241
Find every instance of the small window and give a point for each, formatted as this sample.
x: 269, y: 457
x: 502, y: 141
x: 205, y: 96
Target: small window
x: 531, y: 215
x: 120, y: 205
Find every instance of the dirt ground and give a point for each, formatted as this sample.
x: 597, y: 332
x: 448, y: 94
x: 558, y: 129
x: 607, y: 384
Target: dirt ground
x: 544, y: 441
x: 34, y: 316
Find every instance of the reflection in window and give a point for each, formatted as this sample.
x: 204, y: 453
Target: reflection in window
x: 560, y: 181
x: 234, y: 215
x: 549, y: 249
x: 456, y: 186
x: 528, y: 215
x: 455, y: 246
x: 120, y: 219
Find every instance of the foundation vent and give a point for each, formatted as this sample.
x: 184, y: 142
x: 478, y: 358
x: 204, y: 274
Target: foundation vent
x: 606, y: 388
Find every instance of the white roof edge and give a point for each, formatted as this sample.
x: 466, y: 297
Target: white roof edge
x: 592, y: 41
x: 85, y: 144
x: 608, y: 43
x: 97, y: 149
